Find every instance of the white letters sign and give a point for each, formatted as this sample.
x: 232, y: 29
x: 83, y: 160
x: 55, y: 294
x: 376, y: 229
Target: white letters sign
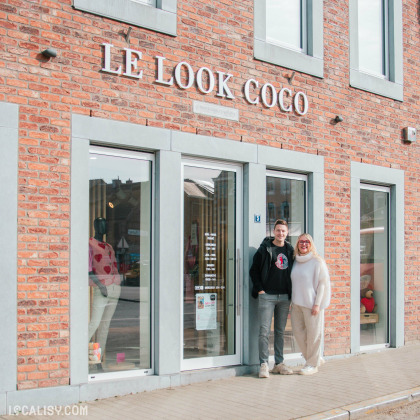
x: 206, y: 81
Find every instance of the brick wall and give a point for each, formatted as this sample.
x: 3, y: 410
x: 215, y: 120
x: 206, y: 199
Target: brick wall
x: 218, y: 35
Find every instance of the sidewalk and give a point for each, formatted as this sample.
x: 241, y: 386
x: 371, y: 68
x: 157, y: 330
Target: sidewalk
x: 357, y: 385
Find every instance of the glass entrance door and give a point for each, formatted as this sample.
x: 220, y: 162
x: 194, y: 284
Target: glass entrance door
x: 374, y: 262
x: 211, y: 268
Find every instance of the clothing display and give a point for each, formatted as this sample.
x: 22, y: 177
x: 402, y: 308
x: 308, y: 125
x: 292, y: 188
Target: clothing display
x: 105, y: 281
x: 102, y: 311
x: 94, y: 353
x: 102, y: 263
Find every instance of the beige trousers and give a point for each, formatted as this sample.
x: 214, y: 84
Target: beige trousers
x: 308, y: 331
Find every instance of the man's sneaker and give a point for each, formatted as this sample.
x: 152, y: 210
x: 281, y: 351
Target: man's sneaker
x: 282, y: 369
x: 321, y: 361
x: 264, y: 371
x: 308, y: 370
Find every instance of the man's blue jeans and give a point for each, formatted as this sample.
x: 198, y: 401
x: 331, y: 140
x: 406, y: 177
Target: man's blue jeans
x: 267, y: 305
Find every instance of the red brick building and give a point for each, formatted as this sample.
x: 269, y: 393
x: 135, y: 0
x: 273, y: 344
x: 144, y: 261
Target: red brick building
x: 176, y: 132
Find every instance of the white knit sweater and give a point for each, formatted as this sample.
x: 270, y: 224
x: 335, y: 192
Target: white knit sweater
x: 310, y: 282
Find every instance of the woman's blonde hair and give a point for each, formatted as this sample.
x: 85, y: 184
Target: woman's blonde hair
x: 312, y: 247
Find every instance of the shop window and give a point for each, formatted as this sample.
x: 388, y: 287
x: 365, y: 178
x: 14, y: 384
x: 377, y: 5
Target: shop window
x: 288, y: 204
x: 377, y: 257
x: 289, y: 33
x: 374, y: 251
x: 119, y: 284
x: 157, y: 15
x: 376, y: 47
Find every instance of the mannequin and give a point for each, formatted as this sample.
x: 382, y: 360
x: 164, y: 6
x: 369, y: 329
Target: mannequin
x: 105, y: 280
x: 101, y: 228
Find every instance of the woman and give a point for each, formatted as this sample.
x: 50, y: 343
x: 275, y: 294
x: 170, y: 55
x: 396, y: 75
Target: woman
x: 311, y: 292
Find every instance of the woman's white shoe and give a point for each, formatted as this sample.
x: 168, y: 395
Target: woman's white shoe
x: 308, y: 370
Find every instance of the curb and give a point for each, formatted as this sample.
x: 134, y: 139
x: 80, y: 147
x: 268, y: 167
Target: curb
x: 363, y: 408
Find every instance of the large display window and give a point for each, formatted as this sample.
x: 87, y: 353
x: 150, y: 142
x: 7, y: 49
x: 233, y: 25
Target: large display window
x: 119, y: 279
x: 374, y: 278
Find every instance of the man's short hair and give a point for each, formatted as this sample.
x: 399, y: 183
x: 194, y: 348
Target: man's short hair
x: 281, y: 222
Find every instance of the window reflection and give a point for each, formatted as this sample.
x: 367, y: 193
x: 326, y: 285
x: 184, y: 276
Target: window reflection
x: 119, y: 263
x: 286, y: 200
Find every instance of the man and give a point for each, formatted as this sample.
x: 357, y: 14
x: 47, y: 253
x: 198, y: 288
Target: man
x: 270, y: 274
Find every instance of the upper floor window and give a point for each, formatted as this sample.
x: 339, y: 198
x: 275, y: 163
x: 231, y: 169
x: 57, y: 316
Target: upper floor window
x: 376, y: 47
x: 157, y: 15
x: 289, y: 33
x: 286, y: 23
x: 372, y: 31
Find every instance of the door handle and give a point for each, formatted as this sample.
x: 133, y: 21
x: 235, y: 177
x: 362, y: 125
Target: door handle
x: 238, y: 282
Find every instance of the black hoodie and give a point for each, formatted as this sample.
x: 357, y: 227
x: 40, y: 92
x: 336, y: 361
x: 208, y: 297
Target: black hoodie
x: 261, y: 266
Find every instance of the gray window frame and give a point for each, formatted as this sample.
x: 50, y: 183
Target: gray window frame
x: 393, y: 85
x: 169, y: 147
x: 162, y: 18
x: 309, y: 62
x: 9, y: 139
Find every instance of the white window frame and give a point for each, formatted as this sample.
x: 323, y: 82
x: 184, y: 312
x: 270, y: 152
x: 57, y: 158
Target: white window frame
x: 391, y: 85
x: 387, y: 190
x: 364, y: 174
x: 236, y: 358
x: 162, y: 18
x: 144, y: 157
x: 310, y: 61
